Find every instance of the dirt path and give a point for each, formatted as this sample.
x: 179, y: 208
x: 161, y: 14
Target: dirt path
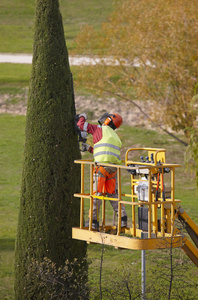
x: 77, y: 60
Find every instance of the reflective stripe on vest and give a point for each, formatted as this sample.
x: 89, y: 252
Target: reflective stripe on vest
x: 106, y: 145
x: 107, y: 150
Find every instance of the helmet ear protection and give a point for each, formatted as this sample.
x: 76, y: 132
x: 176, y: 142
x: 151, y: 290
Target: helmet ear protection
x: 103, y: 118
x: 112, y: 120
x: 109, y: 120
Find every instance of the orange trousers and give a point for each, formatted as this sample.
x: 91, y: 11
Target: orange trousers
x: 105, y: 182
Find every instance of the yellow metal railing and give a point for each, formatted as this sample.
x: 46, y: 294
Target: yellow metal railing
x: 159, y: 226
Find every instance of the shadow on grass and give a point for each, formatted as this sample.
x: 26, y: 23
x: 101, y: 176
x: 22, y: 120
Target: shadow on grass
x: 7, y: 244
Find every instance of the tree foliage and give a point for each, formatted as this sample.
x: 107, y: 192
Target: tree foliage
x: 152, y: 55
x: 65, y: 282
x: 155, y: 45
x: 192, y: 150
x: 48, y: 210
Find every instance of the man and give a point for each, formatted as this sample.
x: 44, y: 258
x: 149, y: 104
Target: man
x: 106, y: 150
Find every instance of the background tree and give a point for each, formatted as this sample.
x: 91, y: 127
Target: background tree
x: 48, y: 210
x: 152, y: 55
x: 192, y: 150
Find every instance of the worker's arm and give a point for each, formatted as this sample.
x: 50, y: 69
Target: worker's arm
x: 93, y: 129
x: 85, y: 126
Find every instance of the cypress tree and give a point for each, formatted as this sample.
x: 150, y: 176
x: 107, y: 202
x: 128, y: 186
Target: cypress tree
x: 48, y: 209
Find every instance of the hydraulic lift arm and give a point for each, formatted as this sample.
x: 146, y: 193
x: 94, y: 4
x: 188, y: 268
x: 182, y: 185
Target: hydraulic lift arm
x: 189, y: 225
x: 192, y: 230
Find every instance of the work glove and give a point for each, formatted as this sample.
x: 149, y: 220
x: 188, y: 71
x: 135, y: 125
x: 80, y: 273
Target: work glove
x: 83, y: 136
x: 83, y: 115
x: 85, y: 147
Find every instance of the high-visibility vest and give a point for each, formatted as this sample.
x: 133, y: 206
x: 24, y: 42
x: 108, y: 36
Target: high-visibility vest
x: 107, y: 150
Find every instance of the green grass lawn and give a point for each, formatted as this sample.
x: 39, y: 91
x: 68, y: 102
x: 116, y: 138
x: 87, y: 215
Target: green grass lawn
x: 17, y: 21
x: 11, y: 147
x: 11, y: 151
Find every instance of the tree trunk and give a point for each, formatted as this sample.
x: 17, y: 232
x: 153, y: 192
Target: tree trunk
x: 48, y: 210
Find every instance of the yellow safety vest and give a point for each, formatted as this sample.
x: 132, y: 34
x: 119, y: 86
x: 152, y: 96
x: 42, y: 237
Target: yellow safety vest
x: 107, y: 150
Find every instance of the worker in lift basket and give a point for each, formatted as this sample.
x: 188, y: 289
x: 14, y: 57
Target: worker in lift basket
x: 106, y: 149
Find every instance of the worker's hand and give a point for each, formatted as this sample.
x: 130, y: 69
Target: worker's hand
x: 83, y: 115
x: 85, y: 147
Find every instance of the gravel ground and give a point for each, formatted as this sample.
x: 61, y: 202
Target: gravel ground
x: 17, y: 104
